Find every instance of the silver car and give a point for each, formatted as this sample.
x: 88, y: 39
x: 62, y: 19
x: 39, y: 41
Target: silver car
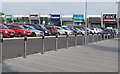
x: 34, y: 31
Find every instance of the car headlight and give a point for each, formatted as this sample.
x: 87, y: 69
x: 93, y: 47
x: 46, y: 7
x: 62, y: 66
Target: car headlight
x: 46, y: 31
x: 24, y: 31
x: 6, y: 31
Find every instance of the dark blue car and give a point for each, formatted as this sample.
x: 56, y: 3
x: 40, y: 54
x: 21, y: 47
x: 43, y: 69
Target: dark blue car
x: 41, y: 28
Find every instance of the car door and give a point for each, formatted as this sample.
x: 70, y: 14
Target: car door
x: 12, y: 27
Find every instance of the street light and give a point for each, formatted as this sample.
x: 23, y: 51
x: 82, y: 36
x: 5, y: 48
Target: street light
x: 118, y: 11
x: 86, y: 23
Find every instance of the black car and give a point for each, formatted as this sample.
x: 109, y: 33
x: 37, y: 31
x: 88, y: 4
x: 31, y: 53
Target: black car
x: 108, y: 32
x: 41, y: 28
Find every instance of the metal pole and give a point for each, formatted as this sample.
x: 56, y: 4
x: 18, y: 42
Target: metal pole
x: 104, y: 36
x: 66, y: 41
x: 12, y: 19
x: 43, y: 48
x: 39, y: 19
x: 5, y: 19
x: 92, y: 38
x: 107, y: 36
x: 85, y: 23
x: 73, y: 18
x: 29, y: 19
x: 61, y: 18
x: 56, y: 43
x: 100, y: 37
x: 118, y: 12
x: 75, y: 40
x: 97, y: 38
x: 25, y: 46
x: 1, y: 44
x: 102, y: 19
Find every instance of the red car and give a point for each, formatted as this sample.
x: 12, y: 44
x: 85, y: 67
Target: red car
x: 19, y: 30
x: 52, y: 30
x: 6, y: 32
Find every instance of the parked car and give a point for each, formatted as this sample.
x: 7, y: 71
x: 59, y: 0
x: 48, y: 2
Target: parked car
x: 90, y: 31
x: 19, y: 30
x: 52, y: 30
x: 112, y: 31
x: 116, y: 31
x: 106, y: 32
x: 60, y: 30
x: 41, y: 28
x: 34, y: 31
x: 80, y: 30
x: 96, y: 31
x: 67, y: 30
x: 6, y: 32
x: 75, y: 31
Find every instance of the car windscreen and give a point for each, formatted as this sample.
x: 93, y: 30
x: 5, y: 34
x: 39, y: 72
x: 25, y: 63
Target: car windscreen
x: 65, y: 28
x: 3, y: 27
x: 39, y: 27
x: 43, y: 27
x: 82, y: 29
x: 77, y: 29
x: 32, y: 28
x: 21, y: 27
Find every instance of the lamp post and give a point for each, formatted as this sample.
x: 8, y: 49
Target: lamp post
x: 102, y: 20
x: 61, y: 19
x: 118, y: 12
x: 85, y: 23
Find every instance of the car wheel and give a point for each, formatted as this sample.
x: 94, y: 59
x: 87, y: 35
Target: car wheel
x: 33, y: 34
x: 66, y: 33
x: 19, y: 35
x: 58, y: 34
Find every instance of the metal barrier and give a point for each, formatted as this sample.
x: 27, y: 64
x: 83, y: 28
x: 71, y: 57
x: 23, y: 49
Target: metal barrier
x: 13, y: 48
x: 27, y: 46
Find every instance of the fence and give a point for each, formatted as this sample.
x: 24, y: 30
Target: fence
x: 27, y: 46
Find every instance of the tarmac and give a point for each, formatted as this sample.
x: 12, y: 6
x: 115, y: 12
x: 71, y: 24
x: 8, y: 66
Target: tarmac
x: 95, y: 57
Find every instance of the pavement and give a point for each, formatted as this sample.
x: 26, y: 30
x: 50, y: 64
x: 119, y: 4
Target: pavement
x: 95, y: 57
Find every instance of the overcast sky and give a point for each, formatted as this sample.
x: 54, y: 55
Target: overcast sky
x: 62, y: 6
x: 59, y: 0
x: 94, y: 8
